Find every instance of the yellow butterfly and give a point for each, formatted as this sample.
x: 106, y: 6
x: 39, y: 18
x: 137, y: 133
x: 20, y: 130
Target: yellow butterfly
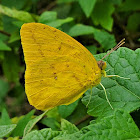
x: 58, y: 68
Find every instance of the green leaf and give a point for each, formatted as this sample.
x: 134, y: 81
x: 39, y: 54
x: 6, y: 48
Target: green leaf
x: 20, y: 15
x: 87, y: 6
x: 4, y: 47
x: 8, y: 24
x: 59, y: 22
x: 11, y: 67
x: 69, y: 127
x: 53, y: 113
x: 133, y: 22
x: 6, y: 129
x: 32, y: 123
x: 122, y: 93
x: 44, y: 134
x: 51, y: 123
x: 18, y: 23
x: 102, y: 14
x: 120, y: 126
x: 50, y: 18
x: 14, y: 37
x: 18, y: 131
x: 66, y: 110
x: 4, y: 87
x: 14, y: 3
x: 80, y: 29
x: 130, y: 5
x: 1, y: 55
x: 106, y: 40
x: 5, y: 119
x: 48, y: 134
x: 92, y: 49
x: 3, y: 37
x: 47, y: 16
x: 80, y: 113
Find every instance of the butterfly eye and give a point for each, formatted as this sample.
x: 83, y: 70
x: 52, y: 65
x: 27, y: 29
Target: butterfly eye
x: 102, y: 65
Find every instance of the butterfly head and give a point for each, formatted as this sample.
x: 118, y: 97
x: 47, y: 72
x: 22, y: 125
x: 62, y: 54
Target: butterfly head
x: 102, y: 65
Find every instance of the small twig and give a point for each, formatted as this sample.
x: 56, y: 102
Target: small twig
x: 5, y: 33
x: 48, y: 7
x: 83, y: 119
x: 51, y: 5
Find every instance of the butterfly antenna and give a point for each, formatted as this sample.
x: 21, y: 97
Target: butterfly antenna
x: 106, y: 95
x: 89, y: 97
x: 115, y: 48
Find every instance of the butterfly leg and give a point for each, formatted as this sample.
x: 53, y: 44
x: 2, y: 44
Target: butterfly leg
x: 117, y: 76
x: 106, y: 96
x: 107, y: 70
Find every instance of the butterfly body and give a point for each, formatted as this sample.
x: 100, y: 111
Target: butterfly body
x: 58, y: 68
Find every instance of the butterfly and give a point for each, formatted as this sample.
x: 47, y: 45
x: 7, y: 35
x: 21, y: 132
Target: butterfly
x: 58, y: 68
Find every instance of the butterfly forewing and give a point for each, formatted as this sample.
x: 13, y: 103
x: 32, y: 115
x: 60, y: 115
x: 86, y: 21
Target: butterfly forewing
x: 58, y: 68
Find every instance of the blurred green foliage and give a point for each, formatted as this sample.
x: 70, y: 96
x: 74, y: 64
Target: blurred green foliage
x: 98, y: 25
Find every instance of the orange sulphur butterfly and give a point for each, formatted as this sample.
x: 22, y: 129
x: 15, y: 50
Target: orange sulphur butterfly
x: 58, y: 68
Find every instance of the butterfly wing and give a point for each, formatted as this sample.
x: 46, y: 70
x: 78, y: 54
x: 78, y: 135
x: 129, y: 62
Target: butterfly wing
x: 58, y: 68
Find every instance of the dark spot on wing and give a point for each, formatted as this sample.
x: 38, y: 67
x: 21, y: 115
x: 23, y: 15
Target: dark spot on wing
x: 59, y: 48
x: 55, y: 76
x: 52, y: 66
